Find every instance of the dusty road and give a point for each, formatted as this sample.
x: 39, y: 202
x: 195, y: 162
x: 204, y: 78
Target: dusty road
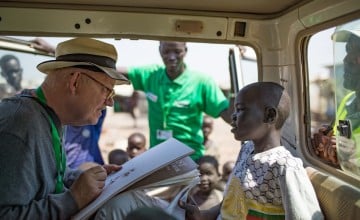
x: 118, y: 126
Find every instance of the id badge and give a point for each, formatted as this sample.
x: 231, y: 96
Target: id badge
x: 163, y: 134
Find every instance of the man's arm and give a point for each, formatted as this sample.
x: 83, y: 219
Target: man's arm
x: 324, y: 145
x: 226, y: 115
x: 24, y: 194
x: 41, y: 44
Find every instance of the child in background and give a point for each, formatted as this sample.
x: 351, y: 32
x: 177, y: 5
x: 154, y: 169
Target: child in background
x: 207, y: 128
x: 118, y: 157
x: 226, y: 171
x: 205, y: 194
x: 136, y: 144
x: 267, y: 181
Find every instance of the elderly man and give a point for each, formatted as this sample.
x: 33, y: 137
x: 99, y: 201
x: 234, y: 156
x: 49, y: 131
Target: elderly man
x: 34, y: 180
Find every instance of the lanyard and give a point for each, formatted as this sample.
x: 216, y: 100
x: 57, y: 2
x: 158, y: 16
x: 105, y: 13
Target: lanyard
x: 166, y: 106
x: 58, y: 149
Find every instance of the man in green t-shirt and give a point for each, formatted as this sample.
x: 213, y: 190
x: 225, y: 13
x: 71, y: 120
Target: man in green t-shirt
x: 177, y: 98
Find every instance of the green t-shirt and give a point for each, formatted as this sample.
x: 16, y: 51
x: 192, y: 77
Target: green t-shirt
x: 178, y: 105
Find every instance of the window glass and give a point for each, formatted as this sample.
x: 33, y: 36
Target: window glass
x: 334, y: 81
x: 321, y: 79
x: 347, y: 74
x: 211, y: 59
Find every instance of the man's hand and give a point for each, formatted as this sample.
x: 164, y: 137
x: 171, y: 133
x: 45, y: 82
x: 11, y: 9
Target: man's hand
x: 192, y: 212
x: 41, y: 44
x: 88, y: 186
x: 111, y: 168
x: 324, y: 145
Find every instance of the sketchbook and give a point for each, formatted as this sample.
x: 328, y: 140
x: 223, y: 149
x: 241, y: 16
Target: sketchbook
x: 165, y: 164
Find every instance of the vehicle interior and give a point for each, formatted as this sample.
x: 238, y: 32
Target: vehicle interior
x: 282, y: 34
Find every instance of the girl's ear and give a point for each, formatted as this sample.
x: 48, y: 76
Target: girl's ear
x: 270, y: 114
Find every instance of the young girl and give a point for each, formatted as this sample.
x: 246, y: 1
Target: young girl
x: 205, y: 194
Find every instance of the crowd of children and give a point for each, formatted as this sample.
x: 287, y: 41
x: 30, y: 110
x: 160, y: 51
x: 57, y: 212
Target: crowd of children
x: 136, y: 145
x: 206, y: 194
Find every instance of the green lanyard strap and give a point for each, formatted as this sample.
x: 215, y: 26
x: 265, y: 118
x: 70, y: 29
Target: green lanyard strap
x: 58, y: 149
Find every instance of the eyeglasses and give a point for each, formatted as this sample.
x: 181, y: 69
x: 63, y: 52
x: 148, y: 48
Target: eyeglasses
x: 111, y: 91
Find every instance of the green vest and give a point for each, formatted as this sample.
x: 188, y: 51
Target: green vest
x: 349, y: 157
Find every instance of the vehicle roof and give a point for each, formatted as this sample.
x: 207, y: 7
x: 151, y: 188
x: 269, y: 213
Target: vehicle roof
x: 254, y: 7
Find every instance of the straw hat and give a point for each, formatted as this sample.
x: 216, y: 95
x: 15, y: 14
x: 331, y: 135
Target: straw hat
x: 85, y: 52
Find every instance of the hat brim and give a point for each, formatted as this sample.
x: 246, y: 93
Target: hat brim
x: 344, y: 35
x: 47, y: 66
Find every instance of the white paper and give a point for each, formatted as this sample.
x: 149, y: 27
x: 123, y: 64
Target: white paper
x: 136, y: 169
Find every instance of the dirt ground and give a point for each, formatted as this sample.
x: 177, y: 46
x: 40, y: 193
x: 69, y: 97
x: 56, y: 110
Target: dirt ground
x: 118, y: 126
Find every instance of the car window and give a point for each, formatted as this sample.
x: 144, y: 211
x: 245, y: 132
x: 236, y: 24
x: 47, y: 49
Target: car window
x: 211, y: 59
x: 334, y: 64
x: 321, y: 79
